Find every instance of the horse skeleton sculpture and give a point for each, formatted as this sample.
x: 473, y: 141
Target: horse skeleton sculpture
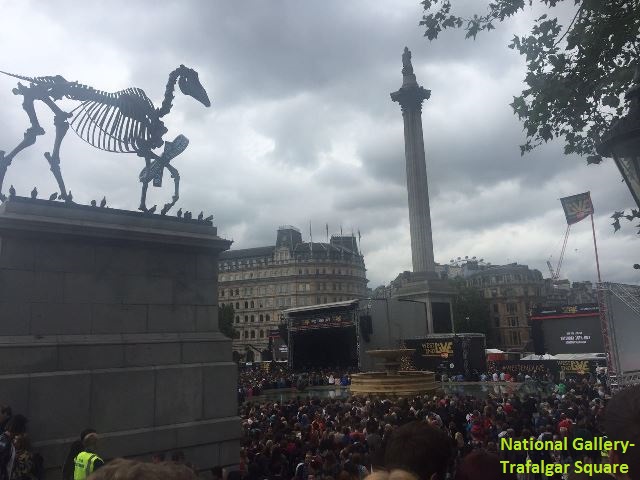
x: 122, y: 122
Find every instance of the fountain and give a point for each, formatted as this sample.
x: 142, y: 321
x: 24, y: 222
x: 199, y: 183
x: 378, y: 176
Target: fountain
x: 392, y: 382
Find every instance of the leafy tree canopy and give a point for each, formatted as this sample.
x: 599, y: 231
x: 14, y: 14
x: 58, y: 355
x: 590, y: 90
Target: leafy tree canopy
x: 225, y: 321
x: 577, y: 74
x: 470, y: 309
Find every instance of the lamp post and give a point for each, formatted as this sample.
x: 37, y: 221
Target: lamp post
x: 622, y: 141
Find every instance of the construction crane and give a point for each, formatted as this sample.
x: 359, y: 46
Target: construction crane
x: 555, y: 274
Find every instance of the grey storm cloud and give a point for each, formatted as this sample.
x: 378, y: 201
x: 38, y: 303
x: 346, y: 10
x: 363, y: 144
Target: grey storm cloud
x: 302, y: 130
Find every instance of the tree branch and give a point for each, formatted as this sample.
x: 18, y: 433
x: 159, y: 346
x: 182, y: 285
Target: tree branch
x: 569, y: 27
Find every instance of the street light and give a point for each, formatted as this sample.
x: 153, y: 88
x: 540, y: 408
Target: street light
x: 622, y: 141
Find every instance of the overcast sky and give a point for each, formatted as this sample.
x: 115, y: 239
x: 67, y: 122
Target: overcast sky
x: 302, y: 128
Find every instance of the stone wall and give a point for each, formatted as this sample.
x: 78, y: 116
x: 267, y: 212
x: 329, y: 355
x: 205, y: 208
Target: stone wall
x: 108, y: 319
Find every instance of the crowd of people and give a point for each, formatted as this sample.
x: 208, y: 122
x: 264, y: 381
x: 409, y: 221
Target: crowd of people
x: 437, y: 436
x: 347, y: 439
x: 254, y: 380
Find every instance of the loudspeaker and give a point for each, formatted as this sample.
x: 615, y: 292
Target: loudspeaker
x: 537, y: 337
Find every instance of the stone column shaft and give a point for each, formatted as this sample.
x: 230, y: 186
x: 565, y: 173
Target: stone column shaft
x: 418, y: 192
x: 410, y: 97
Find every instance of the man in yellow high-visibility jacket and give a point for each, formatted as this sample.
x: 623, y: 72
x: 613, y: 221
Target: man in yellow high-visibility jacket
x: 87, y: 461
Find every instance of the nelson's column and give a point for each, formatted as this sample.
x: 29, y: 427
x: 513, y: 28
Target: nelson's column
x: 423, y: 284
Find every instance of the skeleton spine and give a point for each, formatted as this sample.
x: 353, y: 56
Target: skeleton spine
x: 168, y: 93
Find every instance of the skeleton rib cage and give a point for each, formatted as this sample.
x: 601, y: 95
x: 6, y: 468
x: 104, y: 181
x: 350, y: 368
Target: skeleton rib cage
x: 120, y: 122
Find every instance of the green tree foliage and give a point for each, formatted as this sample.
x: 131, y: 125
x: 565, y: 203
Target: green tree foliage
x: 577, y: 73
x: 470, y: 309
x: 225, y: 321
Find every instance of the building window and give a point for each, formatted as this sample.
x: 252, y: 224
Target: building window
x: 252, y: 305
x: 246, y: 304
x: 253, y: 334
x: 246, y: 318
x: 267, y: 318
x: 512, y: 308
x: 246, y: 334
x: 237, y: 318
x: 261, y: 318
x: 237, y: 306
x: 253, y: 318
x: 222, y: 292
x: 513, y: 321
x: 261, y: 333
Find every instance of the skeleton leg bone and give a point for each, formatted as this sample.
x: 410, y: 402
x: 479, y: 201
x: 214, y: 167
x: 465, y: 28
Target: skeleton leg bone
x: 145, y: 178
x: 60, y: 121
x: 176, y: 179
x: 30, y: 134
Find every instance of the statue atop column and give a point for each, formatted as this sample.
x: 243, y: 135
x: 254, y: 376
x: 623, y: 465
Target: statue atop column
x: 407, y: 68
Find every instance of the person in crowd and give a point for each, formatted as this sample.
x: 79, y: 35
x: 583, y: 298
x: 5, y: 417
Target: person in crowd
x: 5, y: 416
x: 482, y: 465
x: 420, y: 449
x: 158, y: 457
x: 121, y: 469
x: 392, y: 475
x: 216, y: 473
x: 75, y: 448
x: 17, y: 425
x: 27, y: 465
x: 622, y: 422
x: 87, y: 460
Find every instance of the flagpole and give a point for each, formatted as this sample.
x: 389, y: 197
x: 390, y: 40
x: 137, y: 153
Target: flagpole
x: 595, y: 246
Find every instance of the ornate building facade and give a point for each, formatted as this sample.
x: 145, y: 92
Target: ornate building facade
x: 512, y: 291
x: 261, y: 282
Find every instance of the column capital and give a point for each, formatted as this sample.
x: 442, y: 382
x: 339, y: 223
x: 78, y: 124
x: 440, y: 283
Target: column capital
x: 411, y: 97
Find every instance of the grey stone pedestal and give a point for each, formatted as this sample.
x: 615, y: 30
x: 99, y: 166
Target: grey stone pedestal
x: 108, y: 319
x: 434, y: 292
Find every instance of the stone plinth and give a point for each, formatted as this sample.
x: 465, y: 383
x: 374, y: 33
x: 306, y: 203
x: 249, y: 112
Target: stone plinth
x: 108, y: 319
x: 434, y: 292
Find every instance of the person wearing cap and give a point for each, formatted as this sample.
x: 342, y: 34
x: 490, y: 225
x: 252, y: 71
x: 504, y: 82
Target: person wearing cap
x: 87, y: 461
